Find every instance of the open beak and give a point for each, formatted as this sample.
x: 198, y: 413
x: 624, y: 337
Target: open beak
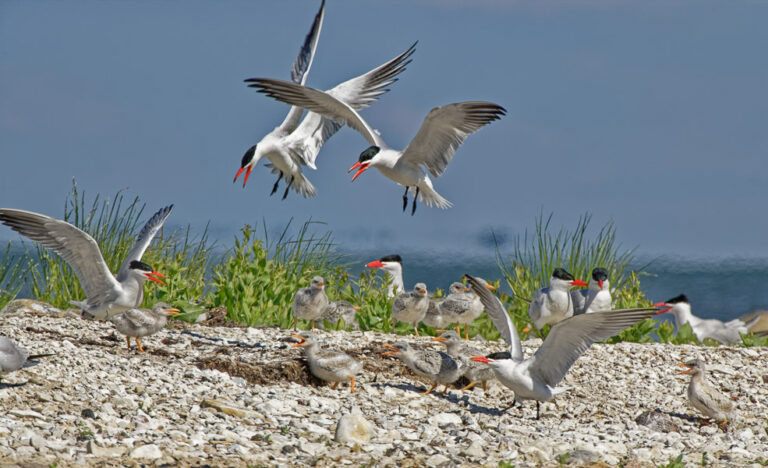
x: 151, y: 276
x: 440, y: 339
x: 172, y: 311
x: 389, y: 353
x: 375, y: 264
x: 321, y: 283
x: 482, y: 359
x: 300, y: 343
x: 361, y: 167
x: 578, y: 283
x: 490, y: 286
x: 247, y: 173
x: 664, y: 307
x: 688, y: 371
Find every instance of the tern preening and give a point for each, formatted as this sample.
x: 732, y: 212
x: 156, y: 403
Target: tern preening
x: 537, y: 377
x: 725, y: 332
x: 433, y: 147
x: 106, y: 294
x: 292, y: 144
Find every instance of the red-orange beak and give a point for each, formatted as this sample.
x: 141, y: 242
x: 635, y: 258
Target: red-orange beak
x: 578, y: 283
x: 440, y: 339
x: 301, y: 342
x: 389, y: 353
x: 490, y: 286
x: 375, y: 264
x: 151, y: 276
x: 688, y: 371
x: 247, y: 173
x: 361, y: 167
x: 482, y: 359
x: 665, y: 307
x: 526, y: 329
x: 600, y: 283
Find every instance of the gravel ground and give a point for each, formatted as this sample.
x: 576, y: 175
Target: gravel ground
x: 243, y: 397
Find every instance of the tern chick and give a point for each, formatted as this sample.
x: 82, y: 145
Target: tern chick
x: 326, y: 364
x: 138, y: 323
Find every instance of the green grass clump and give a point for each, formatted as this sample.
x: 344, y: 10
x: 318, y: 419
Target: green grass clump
x: 11, y: 276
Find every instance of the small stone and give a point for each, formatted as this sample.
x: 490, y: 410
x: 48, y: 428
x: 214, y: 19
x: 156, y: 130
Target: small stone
x: 443, y: 419
x: 437, y: 459
x: 88, y: 413
x: 148, y: 452
x: 353, y: 427
x: 475, y: 449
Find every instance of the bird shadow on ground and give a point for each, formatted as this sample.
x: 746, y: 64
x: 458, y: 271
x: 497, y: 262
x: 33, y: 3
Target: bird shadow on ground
x: 462, y: 400
x: 4, y: 385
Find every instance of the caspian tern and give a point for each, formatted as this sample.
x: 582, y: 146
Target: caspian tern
x: 553, y: 304
x: 724, y: 332
x: 107, y: 295
x: 138, y: 323
x: 474, y: 371
x: 292, y: 145
x: 411, y: 306
x: 457, y: 302
x: 13, y: 357
x: 433, y: 147
x: 310, y: 303
x: 341, y: 310
x: 326, y: 364
x: 597, y: 297
x: 712, y: 404
x: 474, y: 311
x: 393, y: 267
x: 438, y: 367
x: 536, y: 378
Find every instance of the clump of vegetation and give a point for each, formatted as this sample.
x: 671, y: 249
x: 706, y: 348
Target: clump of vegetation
x: 11, y: 276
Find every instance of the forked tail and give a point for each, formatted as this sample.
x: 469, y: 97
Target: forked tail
x: 429, y: 197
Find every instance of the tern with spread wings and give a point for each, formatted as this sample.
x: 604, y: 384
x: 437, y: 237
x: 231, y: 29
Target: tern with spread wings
x: 430, y: 151
x: 107, y: 294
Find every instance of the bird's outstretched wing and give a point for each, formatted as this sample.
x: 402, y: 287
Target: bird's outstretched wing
x: 143, y: 240
x: 499, y: 317
x: 301, y: 66
x: 76, y: 247
x: 445, y: 128
x: 567, y: 340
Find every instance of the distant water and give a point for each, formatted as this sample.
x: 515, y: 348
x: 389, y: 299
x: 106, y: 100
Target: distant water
x: 722, y: 289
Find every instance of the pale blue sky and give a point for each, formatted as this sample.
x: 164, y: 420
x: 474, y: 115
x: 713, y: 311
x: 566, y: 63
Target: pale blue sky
x: 650, y: 113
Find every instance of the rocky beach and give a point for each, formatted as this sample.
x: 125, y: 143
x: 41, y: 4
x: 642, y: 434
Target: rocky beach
x: 218, y: 395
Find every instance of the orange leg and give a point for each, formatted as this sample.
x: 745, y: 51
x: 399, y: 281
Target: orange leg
x: 445, y: 389
x: 471, y: 384
x: 466, y: 331
x: 138, y: 342
x: 428, y: 391
x: 295, y: 322
x: 416, y: 330
x: 128, y: 341
x: 351, y: 384
x: 458, y: 329
x: 335, y: 384
x: 312, y: 324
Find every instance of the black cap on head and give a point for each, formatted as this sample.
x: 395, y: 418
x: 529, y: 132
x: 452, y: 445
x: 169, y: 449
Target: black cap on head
x: 560, y: 273
x: 391, y: 258
x: 680, y: 298
x: 599, y: 274
x: 248, y: 156
x: 137, y: 265
x: 499, y: 355
x: 369, y: 153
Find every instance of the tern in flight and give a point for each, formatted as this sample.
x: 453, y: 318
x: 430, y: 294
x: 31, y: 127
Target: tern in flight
x: 537, y: 377
x: 433, y: 147
x: 106, y: 294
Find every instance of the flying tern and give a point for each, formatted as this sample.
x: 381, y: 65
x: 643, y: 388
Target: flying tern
x: 597, y: 297
x: 433, y: 147
x: 537, y: 377
x: 107, y: 295
x: 292, y: 145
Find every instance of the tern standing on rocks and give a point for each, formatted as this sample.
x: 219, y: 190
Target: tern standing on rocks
x: 536, y: 378
x: 711, y: 403
x: 596, y: 298
x: 138, y: 323
x: 13, y: 357
x: 326, y: 364
x: 393, y: 267
x: 341, y: 310
x: 411, y: 306
x: 438, y: 367
x: 106, y: 294
x: 474, y: 371
x: 310, y: 303
x: 475, y: 309
x: 553, y: 304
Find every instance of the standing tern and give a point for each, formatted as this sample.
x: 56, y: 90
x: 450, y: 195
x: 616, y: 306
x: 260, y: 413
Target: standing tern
x: 456, y: 303
x: 597, y: 297
x: 433, y: 147
x: 474, y: 311
x: 713, y: 404
x: 138, y: 323
x: 411, y: 306
x: 474, y: 371
x: 724, y: 332
x: 326, y: 364
x: 13, y: 357
x: 536, y: 378
x: 292, y: 145
x: 310, y: 303
x: 553, y: 304
x: 393, y: 267
x: 438, y: 367
x: 341, y: 310
x: 107, y: 295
